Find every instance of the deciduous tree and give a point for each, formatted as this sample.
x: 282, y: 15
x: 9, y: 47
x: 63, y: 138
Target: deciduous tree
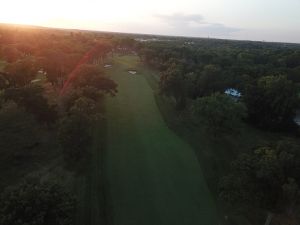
x: 219, y: 113
x: 37, y: 203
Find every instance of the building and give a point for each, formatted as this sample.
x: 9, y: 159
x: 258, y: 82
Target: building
x: 234, y: 93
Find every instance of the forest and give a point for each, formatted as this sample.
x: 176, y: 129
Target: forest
x: 113, y: 128
x: 244, y: 96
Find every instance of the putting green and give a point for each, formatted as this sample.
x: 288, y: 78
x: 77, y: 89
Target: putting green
x: 153, y: 176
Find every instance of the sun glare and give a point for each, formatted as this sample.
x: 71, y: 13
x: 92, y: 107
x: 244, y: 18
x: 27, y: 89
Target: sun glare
x: 59, y: 13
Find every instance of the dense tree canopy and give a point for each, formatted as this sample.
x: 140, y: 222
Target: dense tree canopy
x: 267, y: 178
x: 93, y: 76
x: 173, y: 83
x: 75, y: 136
x: 201, y: 67
x: 36, y: 203
x: 21, y: 72
x: 35, y: 67
x: 32, y: 99
x: 272, y: 102
x: 219, y: 113
x: 18, y: 132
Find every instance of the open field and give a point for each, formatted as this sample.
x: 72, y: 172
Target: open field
x: 154, y: 176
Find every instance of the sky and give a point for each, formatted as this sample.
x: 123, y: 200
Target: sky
x: 262, y: 20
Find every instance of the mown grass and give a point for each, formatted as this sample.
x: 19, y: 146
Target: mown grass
x: 154, y: 176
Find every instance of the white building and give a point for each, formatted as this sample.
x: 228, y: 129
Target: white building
x: 233, y: 93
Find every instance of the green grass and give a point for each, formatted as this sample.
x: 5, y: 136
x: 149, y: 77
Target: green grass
x: 154, y: 176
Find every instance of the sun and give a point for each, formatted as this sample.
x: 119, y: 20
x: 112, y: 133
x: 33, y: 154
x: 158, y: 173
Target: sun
x: 23, y: 12
x: 65, y: 13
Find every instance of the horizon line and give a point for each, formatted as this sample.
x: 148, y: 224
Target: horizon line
x: 148, y: 34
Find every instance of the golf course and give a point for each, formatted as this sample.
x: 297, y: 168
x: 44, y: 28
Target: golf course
x: 154, y: 177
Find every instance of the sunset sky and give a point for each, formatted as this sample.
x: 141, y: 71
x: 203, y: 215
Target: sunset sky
x: 269, y: 20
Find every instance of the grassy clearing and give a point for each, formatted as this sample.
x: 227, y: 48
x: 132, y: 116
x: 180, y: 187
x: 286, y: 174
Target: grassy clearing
x: 154, y: 176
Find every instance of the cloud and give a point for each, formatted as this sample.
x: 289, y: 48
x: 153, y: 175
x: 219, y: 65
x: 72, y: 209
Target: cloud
x: 179, y: 20
x: 194, y: 25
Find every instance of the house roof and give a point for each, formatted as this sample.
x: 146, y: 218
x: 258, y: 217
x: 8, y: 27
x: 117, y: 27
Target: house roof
x: 233, y: 92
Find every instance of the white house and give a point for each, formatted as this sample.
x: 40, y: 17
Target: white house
x: 233, y: 93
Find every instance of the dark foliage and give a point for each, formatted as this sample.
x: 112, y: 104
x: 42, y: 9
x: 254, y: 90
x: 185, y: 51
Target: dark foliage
x: 32, y: 99
x: 272, y: 102
x: 267, y: 178
x: 75, y: 137
x: 36, y: 204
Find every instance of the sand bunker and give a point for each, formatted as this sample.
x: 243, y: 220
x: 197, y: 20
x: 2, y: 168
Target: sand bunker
x: 133, y: 72
x: 36, y: 80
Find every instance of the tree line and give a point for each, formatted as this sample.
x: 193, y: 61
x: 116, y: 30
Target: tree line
x: 194, y: 75
x: 51, y: 92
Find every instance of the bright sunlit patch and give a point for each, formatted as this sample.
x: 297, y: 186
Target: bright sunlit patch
x: 67, y: 13
x: 24, y: 12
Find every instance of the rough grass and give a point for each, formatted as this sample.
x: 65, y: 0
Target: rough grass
x: 153, y: 175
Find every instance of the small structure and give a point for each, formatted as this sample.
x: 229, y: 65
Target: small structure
x: 233, y: 92
x: 35, y: 81
x: 42, y: 72
x: 133, y: 72
x: 107, y: 66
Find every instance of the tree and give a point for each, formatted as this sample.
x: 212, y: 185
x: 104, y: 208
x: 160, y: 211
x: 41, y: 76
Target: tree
x: 266, y: 179
x: 37, y: 203
x: 32, y: 99
x: 10, y: 53
x: 272, y: 102
x: 4, y: 82
x: 75, y: 137
x: 52, y: 61
x: 25, y: 48
x: 105, y: 85
x: 84, y: 106
x: 174, y: 84
x: 90, y: 92
x: 100, y: 52
x: 219, y: 113
x: 18, y: 134
x: 210, y: 81
x: 21, y: 72
x: 293, y: 60
x: 86, y: 74
x: 93, y: 76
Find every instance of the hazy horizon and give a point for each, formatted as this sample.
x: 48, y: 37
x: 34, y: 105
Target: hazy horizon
x: 274, y: 21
